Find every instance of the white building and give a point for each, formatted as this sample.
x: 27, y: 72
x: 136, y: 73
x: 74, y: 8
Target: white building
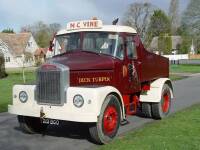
x: 15, y: 46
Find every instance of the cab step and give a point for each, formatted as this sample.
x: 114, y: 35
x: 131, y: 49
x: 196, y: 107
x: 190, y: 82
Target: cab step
x: 124, y: 122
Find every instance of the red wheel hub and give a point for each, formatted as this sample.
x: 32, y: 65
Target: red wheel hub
x: 110, y: 120
x: 166, y: 102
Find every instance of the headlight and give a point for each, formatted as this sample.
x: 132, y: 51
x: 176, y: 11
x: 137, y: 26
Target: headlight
x: 78, y: 101
x: 23, y: 97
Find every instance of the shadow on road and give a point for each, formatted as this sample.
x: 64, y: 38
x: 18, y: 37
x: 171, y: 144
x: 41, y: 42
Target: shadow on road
x: 71, y: 130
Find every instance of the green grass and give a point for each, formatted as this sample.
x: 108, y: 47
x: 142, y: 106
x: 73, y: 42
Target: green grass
x: 6, y: 85
x: 176, y: 77
x: 17, y: 70
x: 185, y: 68
x: 181, y: 131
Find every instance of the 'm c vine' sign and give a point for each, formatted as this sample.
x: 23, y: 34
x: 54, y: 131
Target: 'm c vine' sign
x: 85, y: 24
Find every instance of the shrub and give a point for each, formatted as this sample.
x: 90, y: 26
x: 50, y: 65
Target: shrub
x: 2, y: 67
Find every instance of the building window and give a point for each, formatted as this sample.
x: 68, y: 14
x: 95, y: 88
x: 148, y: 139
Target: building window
x: 29, y: 44
x: 7, y: 59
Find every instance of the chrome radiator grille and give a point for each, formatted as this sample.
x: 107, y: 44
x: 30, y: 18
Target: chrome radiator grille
x: 51, y: 86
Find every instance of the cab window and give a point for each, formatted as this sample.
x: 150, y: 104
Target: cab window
x: 131, y: 49
x: 68, y: 42
x: 120, y: 48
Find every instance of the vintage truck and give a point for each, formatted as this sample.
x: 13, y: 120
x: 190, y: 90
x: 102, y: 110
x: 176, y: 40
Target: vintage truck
x: 102, y: 74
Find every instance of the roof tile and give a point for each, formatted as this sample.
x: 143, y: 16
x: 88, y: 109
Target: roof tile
x: 16, y: 42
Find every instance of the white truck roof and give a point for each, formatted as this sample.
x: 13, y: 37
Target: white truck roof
x: 94, y: 25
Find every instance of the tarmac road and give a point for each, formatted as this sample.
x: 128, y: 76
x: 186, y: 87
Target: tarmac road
x: 75, y: 137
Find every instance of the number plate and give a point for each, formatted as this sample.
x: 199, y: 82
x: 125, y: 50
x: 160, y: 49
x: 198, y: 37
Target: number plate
x: 50, y: 121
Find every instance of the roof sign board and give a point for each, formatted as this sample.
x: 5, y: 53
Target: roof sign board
x: 85, y: 24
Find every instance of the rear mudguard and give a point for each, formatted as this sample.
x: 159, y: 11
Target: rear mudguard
x: 155, y: 92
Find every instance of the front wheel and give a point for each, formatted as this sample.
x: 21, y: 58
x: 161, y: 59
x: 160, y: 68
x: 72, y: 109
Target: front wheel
x: 31, y: 124
x: 162, y: 109
x: 108, y: 122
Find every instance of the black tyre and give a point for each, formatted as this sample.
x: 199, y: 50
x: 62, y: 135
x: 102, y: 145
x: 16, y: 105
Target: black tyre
x: 108, y: 122
x: 162, y: 109
x: 146, y: 110
x: 31, y: 125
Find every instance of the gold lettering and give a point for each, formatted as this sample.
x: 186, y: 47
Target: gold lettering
x: 94, y: 79
x: 84, y: 80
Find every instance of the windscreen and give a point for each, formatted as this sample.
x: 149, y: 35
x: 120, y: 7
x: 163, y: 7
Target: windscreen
x: 97, y: 42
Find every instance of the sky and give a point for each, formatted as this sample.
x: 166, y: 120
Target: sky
x: 17, y: 13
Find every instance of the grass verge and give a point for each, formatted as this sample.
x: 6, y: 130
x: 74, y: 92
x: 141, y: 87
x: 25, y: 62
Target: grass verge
x: 185, y: 68
x: 178, y: 132
x: 6, y: 85
x: 176, y: 77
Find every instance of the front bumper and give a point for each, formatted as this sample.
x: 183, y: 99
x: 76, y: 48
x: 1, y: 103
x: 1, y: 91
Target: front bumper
x: 52, y: 112
x: 87, y: 113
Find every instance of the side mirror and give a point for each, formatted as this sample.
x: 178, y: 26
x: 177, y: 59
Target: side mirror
x: 51, y: 45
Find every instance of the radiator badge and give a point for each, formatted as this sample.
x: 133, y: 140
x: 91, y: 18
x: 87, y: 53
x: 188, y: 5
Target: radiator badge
x: 94, y: 79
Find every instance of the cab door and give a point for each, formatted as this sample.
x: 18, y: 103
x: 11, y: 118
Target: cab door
x: 132, y: 64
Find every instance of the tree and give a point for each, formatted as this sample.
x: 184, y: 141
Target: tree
x: 183, y: 30
x: 42, y: 32
x: 137, y: 16
x: 174, y: 15
x: 54, y: 27
x: 186, y: 39
x: 9, y: 30
x: 165, y: 44
x: 191, y: 19
x: 186, y: 44
x: 26, y: 28
x: 42, y: 38
x: 159, y: 23
x: 160, y: 27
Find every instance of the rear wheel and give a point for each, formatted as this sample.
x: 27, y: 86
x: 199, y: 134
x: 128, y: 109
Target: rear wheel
x: 108, y: 122
x: 162, y: 109
x: 146, y: 110
x: 31, y: 124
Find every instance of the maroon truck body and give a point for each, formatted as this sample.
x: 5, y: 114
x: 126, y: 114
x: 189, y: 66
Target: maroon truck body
x: 92, y: 69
